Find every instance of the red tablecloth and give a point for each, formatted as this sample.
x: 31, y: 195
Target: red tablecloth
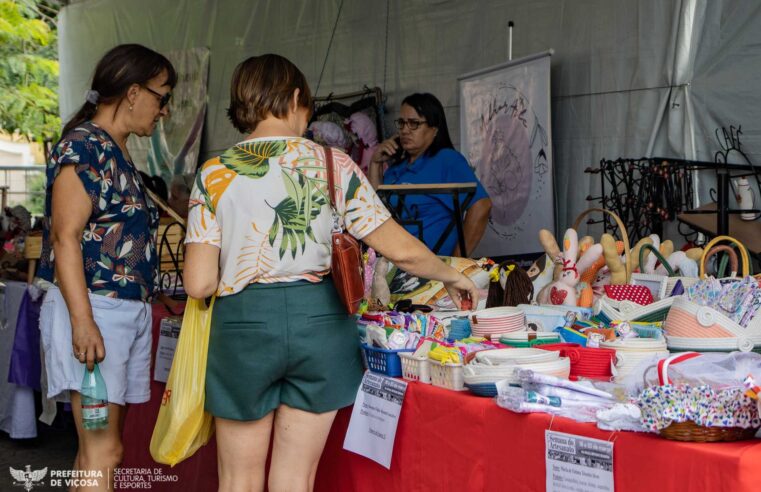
x: 455, y: 441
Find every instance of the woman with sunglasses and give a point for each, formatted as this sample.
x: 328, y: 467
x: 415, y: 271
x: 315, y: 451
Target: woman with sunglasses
x: 422, y: 153
x: 99, y: 247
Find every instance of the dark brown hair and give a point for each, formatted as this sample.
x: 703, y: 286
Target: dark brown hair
x: 265, y: 84
x: 115, y: 73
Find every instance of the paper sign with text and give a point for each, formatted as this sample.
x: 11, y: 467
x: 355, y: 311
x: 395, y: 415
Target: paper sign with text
x: 577, y: 464
x: 372, y: 428
x: 169, y: 332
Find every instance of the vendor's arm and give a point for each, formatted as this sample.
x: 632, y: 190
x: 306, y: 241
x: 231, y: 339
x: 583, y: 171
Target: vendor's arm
x: 474, y: 225
x: 71, y: 210
x: 408, y: 253
x: 381, y: 156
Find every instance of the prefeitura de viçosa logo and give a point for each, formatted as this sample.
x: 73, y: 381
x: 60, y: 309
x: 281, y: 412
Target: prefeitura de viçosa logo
x: 28, y: 478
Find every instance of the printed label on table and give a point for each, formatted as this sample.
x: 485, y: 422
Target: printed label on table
x: 372, y: 428
x: 169, y: 332
x: 578, y: 464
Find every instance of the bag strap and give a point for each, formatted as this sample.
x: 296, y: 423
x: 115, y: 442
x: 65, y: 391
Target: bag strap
x: 338, y: 223
x: 331, y: 175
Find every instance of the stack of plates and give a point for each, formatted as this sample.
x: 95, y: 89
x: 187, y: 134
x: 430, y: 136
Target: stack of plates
x: 494, y: 322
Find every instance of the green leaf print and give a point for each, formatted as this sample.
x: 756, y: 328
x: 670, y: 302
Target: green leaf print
x: 252, y: 158
x: 354, y: 185
x: 204, y: 192
x: 295, y: 222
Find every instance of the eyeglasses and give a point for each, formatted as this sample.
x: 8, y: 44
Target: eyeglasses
x: 411, y: 124
x: 163, y: 98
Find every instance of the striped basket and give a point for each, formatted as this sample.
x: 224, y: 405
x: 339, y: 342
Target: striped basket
x: 690, y: 326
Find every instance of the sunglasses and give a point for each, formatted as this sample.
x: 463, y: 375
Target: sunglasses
x: 163, y: 98
x: 411, y: 124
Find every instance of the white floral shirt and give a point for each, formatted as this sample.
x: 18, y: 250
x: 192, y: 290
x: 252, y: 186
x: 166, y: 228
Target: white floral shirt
x: 264, y: 203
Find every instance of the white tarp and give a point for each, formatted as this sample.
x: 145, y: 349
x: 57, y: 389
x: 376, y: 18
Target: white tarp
x: 629, y: 77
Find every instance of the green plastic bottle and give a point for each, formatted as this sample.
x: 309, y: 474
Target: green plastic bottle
x: 94, y: 400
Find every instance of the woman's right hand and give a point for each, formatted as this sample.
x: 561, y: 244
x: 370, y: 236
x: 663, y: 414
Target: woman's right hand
x: 385, y: 150
x: 462, y: 288
x: 87, y: 342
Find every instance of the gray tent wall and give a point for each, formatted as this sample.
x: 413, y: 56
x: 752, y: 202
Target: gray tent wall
x: 630, y: 78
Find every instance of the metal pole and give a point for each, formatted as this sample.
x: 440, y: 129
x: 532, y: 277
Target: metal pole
x: 510, y: 40
x: 722, y: 202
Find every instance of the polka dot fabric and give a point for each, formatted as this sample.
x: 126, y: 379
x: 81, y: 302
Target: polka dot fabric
x: 635, y: 293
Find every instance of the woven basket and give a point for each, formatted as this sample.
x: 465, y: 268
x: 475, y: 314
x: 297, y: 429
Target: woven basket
x: 621, y: 228
x: 691, y: 432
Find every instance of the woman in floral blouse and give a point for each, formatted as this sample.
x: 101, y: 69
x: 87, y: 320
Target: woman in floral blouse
x: 283, y: 353
x: 99, y: 247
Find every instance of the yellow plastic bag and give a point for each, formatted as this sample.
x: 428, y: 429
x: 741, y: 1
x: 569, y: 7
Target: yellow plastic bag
x: 182, y: 425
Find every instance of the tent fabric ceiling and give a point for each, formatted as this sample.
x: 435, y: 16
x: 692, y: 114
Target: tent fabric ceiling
x: 630, y: 78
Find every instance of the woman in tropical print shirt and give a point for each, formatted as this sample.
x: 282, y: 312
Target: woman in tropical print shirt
x: 99, y: 248
x: 283, y: 353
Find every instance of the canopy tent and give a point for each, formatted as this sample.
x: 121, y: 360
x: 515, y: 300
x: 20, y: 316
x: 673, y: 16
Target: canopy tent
x: 629, y: 78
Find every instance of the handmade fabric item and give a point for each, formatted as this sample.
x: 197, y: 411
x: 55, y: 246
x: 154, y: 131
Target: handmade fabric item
x: 635, y: 293
x: 663, y: 405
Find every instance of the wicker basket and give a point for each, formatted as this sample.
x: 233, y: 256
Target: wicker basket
x: 691, y: 432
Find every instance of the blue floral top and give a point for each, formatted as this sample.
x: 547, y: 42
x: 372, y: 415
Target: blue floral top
x: 119, y: 241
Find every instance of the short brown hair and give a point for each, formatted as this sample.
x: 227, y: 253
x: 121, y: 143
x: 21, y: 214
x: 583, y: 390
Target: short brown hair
x: 265, y: 84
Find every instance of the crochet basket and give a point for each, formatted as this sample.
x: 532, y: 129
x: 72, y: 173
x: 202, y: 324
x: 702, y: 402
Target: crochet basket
x: 690, y: 326
x: 586, y: 362
x: 607, y: 310
x: 660, y: 285
x: 545, y: 318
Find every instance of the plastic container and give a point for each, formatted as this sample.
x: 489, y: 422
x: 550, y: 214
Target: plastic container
x: 94, y: 397
x: 449, y: 376
x: 383, y: 361
x: 415, y: 368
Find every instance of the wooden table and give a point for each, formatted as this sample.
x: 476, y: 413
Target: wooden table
x: 747, y: 232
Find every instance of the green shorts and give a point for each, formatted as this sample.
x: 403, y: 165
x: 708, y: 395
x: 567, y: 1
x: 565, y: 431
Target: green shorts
x: 284, y: 343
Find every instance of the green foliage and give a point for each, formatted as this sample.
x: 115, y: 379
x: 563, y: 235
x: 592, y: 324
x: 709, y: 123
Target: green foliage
x: 35, y: 202
x: 28, y: 70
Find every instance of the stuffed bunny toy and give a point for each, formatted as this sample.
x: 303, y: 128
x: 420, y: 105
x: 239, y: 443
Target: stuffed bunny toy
x: 563, y: 291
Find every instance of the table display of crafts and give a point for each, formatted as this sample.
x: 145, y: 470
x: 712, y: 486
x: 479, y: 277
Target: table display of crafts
x: 595, y: 332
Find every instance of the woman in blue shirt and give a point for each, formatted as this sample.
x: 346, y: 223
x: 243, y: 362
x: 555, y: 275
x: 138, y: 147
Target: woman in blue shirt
x: 422, y: 153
